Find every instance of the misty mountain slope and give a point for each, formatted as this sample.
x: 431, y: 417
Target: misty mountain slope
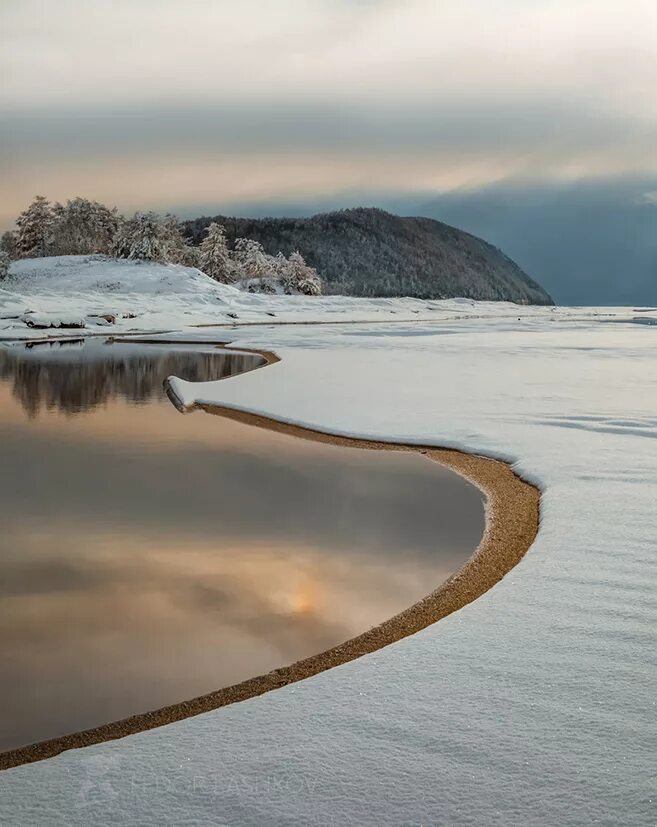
x: 588, y: 242
x: 369, y: 252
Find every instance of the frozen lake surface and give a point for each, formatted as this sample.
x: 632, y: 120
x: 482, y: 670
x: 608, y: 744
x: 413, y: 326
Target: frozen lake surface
x: 149, y: 557
x: 534, y: 705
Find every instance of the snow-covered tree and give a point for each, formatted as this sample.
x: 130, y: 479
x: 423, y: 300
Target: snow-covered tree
x: 174, y: 248
x: 280, y: 265
x: 4, y: 265
x: 191, y: 256
x: 299, y: 277
x: 147, y: 242
x: 140, y: 238
x: 105, y: 223
x: 214, y: 258
x: 122, y: 239
x: 151, y: 238
x: 82, y: 227
x: 58, y: 213
x: 252, y: 261
x: 8, y: 244
x: 34, y: 234
x: 260, y: 272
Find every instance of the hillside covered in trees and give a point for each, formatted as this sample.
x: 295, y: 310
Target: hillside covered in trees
x: 84, y: 227
x: 370, y: 252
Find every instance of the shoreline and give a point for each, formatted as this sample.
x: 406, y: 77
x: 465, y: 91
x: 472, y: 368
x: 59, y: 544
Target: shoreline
x: 512, y: 521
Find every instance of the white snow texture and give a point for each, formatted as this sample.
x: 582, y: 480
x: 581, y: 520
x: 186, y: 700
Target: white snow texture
x: 534, y: 705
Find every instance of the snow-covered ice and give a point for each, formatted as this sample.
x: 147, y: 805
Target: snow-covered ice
x: 146, y: 296
x: 534, y: 705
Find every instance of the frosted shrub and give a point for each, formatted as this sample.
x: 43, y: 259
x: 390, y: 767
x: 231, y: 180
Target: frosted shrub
x: 299, y: 277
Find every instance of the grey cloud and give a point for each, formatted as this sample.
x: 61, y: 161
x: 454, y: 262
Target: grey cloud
x: 554, y: 127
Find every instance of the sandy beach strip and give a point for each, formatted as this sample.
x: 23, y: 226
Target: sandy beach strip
x: 512, y: 519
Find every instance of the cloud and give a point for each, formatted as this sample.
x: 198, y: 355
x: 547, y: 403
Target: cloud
x: 312, y: 50
x: 220, y: 103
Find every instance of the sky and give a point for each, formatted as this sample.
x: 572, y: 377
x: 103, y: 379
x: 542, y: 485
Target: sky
x: 270, y: 107
x: 163, y: 104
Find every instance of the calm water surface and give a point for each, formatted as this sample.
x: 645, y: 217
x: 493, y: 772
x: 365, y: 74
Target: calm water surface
x: 147, y: 557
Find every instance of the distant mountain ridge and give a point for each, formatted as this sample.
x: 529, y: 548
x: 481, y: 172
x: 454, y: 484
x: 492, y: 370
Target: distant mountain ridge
x: 366, y: 251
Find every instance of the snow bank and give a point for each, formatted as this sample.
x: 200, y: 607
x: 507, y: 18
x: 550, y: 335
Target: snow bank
x: 148, y: 297
x: 70, y: 275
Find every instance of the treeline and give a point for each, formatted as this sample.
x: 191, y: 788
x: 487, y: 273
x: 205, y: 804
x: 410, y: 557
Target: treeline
x: 371, y: 252
x: 83, y: 227
x: 358, y: 252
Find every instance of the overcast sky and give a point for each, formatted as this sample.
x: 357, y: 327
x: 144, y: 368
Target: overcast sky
x: 207, y: 104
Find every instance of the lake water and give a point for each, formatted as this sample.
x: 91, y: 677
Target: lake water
x: 147, y: 557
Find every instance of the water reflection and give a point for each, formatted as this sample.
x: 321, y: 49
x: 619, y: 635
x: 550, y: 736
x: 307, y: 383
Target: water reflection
x: 80, y: 375
x: 147, y: 557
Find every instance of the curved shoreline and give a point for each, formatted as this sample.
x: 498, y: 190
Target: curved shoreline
x: 512, y: 519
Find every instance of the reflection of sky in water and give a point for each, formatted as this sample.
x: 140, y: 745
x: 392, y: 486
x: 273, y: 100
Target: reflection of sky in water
x: 148, y: 557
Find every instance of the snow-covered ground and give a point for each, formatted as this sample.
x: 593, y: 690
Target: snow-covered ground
x: 534, y: 705
x: 106, y: 295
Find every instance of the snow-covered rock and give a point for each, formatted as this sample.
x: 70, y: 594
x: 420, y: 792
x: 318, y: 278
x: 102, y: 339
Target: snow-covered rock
x: 43, y: 321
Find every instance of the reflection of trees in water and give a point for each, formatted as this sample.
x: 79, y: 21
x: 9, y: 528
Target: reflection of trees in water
x: 72, y: 383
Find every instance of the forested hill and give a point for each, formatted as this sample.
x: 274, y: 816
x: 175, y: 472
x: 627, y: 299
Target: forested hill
x: 370, y: 252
